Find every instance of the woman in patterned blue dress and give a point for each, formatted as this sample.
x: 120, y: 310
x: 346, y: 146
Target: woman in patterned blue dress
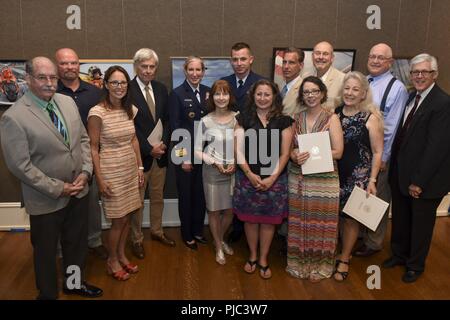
x: 363, y: 144
x: 260, y: 199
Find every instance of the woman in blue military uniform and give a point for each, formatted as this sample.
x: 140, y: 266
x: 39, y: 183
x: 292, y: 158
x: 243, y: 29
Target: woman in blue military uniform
x: 187, y: 104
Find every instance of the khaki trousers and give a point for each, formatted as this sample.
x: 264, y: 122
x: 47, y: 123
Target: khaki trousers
x: 154, y: 180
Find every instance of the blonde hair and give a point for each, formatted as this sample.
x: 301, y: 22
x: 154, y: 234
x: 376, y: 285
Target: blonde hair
x: 191, y: 59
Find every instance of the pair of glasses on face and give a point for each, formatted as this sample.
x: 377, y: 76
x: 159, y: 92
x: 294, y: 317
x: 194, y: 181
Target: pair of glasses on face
x: 424, y: 73
x: 312, y: 93
x: 379, y: 58
x: 116, y: 84
x: 42, y: 78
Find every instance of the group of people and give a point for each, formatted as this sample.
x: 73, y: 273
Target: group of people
x: 236, y: 157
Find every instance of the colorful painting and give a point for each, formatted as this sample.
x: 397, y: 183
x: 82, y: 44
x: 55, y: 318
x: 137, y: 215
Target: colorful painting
x: 12, y: 81
x: 92, y: 71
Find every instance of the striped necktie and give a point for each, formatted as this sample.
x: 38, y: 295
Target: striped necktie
x: 56, y: 121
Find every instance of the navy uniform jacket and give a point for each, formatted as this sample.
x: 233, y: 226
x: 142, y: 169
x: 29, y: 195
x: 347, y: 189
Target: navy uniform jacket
x: 184, y: 109
x: 241, y: 94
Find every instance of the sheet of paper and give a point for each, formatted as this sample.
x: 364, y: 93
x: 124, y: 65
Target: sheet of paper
x: 155, y: 136
x: 319, y: 148
x: 367, y: 211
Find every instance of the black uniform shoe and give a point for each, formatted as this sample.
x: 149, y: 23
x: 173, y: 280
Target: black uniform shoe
x: 411, y: 276
x: 86, y: 290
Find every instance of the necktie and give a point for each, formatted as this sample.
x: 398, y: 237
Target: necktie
x: 411, y: 113
x: 284, y: 91
x: 197, y: 94
x: 150, y: 102
x: 56, y: 121
x: 241, y: 83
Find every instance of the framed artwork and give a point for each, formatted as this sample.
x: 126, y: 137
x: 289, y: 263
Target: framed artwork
x: 344, y: 60
x: 400, y: 70
x: 92, y: 71
x: 216, y: 68
x: 12, y: 81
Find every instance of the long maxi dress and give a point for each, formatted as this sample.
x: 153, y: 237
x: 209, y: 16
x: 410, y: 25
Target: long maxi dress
x: 313, y: 213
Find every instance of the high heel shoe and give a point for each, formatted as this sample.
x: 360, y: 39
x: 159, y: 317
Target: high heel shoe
x: 120, y: 275
x: 220, y: 257
x: 130, y: 268
x: 227, y: 249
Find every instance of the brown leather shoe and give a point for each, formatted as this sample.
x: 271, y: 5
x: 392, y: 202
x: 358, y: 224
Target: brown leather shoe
x: 138, y: 250
x: 100, y: 252
x: 365, y: 251
x: 163, y: 239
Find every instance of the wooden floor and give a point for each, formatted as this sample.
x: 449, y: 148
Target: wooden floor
x: 180, y: 273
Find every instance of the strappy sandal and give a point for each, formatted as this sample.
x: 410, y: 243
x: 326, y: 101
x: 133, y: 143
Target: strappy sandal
x: 252, y: 265
x: 343, y: 274
x: 263, y: 271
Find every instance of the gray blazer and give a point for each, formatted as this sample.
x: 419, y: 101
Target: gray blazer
x: 36, y: 154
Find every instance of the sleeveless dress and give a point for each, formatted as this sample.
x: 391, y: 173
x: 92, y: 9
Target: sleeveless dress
x: 220, y: 146
x: 356, y: 162
x: 313, y: 213
x: 118, y: 164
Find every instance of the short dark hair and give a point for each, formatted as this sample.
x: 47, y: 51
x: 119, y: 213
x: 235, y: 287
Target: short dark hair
x: 298, y: 51
x: 241, y: 45
x: 126, y: 100
x: 317, y: 81
x: 220, y: 86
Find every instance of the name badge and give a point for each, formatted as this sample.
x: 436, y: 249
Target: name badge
x: 181, y: 152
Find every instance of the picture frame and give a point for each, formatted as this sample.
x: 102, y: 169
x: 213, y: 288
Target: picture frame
x: 344, y: 60
x: 216, y: 68
x: 400, y: 69
x: 93, y: 70
x: 12, y: 81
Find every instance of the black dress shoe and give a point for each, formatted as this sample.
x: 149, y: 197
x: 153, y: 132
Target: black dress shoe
x: 392, y: 262
x: 202, y: 240
x: 192, y: 245
x: 100, y: 252
x: 365, y: 252
x: 86, y: 290
x: 411, y: 276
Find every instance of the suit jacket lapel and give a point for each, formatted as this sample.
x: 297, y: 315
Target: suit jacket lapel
x: 140, y: 101
x: 44, y: 118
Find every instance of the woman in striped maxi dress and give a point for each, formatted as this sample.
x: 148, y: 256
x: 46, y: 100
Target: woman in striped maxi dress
x: 313, y: 198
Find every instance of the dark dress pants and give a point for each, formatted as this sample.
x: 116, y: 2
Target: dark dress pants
x: 412, y: 227
x: 191, y: 201
x: 69, y: 224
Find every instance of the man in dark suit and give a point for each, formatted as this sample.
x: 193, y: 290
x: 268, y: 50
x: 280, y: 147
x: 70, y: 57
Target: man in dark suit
x: 46, y: 147
x: 420, y: 170
x: 85, y: 96
x: 150, y: 97
x: 240, y: 81
x: 243, y: 77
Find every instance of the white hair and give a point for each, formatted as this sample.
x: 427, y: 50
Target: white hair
x: 145, y: 54
x: 424, y: 57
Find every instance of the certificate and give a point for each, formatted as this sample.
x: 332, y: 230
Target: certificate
x: 319, y: 148
x: 156, y: 136
x: 367, y: 210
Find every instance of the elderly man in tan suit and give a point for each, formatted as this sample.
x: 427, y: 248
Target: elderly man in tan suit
x: 46, y: 147
x: 322, y: 59
x: 291, y: 67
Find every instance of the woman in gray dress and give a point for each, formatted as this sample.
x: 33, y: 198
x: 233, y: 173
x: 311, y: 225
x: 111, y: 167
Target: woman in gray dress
x: 215, y: 147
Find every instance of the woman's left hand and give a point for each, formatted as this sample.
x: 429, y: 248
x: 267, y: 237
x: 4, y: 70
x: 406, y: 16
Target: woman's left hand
x: 141, y: 178
x: 266, y: 183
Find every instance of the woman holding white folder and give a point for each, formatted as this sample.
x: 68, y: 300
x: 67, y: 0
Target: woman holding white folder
x: 313, y: 198
x: 362, y: 123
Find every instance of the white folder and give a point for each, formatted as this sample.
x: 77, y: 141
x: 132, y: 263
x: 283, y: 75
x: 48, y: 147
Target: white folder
x: 156, y: 136
x: 319, y: 148
x: 367, y: 210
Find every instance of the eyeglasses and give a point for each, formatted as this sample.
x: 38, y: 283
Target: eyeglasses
x: 424, y: 73
x: 313, y: 93
x: 116, y: 84
x: 42, y: 78
x: 380, y: 58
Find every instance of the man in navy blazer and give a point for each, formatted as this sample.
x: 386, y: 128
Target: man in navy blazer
x: 420, y: 170
x: 243, y: 77
x: 150, y: 97
x: 240, y: 81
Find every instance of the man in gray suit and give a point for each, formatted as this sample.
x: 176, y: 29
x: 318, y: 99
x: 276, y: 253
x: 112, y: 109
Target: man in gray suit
x: 46, y: 147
